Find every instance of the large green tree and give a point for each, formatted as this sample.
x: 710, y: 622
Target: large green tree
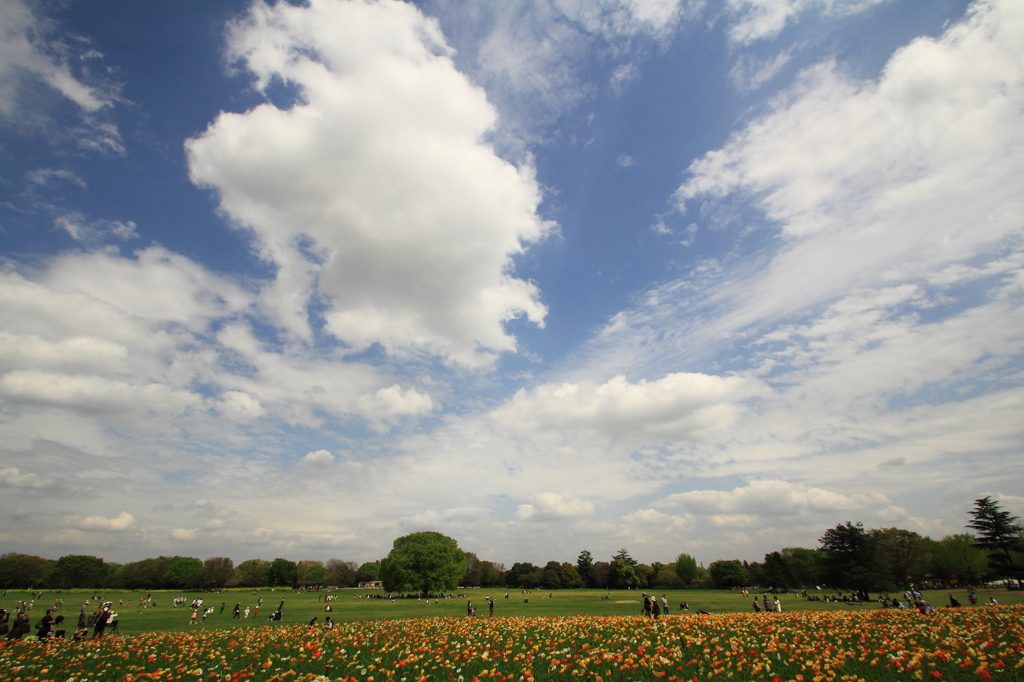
x: 253, y: 572
x: 667, y: 578
x: 216, y: 572
x: 851, y: 558
x: 423, y: 562
x: 570, y: 576
x: 803, y: 564
x: 22, y: 571
x: 958, y: 558
x: 343, y: 573
x: 728, y: 573
x: 75, y: 571
x: 602, y: 577
x: 283, y: 572
x: 183, y: 572
x: 311, y: 571
x: 902, y: 556
x: 519, y: 569
x: 369, y: 572
x: 147, y: 574
x: 623, y: 574
x: 686, y: 568
x: 492, y: 574
x: 775, y: 571
x: 1001, y: 534
x: 473, y: 568
x: 585, y: 567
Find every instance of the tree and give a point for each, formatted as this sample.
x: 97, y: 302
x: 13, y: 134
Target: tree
x: 667, y: 578
x: 491, y: 574
x: 728, y: 573
x: 756, y: 572
x: 22, y: 571
x: 253, y: 572
x: 775, y: 571
x: 623, y: 574
x: 473, y: 568
x: 601, y: 577
x: 644, y: 575
x: 312, y: 572
x: 532, y: 580
x: 570, y: 576
x: 283, y: 572
x: 216, y: 572
x: 686, y: 568
x: 369, y: 572
x: 958, y: 558
x: 555, y: 568
x: 901, y: 555
x: 1000, y: 533
x: 804, y: 565
x: 77, y: 571
x: 182, y: 572
x: 516, y: 573
x: 343, y: 573
x: 623, y: 555
x: 851, y: 557
x: 703, y: 579
x: 585, y: 567
x: 423, y: 562
x: 147, y: 574
x: 550, y: 579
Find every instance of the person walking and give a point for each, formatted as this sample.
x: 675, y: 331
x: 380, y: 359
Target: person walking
x: 101, y: 623
x: 237, y: 612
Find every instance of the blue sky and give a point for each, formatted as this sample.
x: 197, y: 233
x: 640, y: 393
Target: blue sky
x: 677, y: 276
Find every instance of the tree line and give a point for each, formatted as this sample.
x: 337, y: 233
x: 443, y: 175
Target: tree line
x: 21, y: 571
x: 849, y: 556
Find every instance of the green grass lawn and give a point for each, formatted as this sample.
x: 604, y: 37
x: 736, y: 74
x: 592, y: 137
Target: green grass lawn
x: 353, y: 605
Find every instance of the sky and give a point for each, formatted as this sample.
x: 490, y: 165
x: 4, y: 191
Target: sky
x: 295, y: 279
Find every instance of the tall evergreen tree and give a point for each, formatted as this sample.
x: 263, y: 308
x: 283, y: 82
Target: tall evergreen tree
x: 851, y: 558
x: 1000, y: 533
x: 585, y: 567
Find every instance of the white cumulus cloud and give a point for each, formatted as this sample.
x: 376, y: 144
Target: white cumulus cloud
x: 376, y: 189
x: 121, y: 522
x: 13, y: 478
x: 767, y: 498
x: 392, y: 402
x: 319, y: 459
x: 553, y: 507
x: 678, y: 406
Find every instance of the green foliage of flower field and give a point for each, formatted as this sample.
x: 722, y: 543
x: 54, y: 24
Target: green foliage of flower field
x: 980, y: 643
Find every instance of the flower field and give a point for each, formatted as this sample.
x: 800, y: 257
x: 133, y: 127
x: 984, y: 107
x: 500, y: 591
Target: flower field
x: 952, y: 644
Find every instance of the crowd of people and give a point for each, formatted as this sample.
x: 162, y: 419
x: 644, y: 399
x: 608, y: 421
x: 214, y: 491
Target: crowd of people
x: 100, y: 615
x: 51, y: 626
